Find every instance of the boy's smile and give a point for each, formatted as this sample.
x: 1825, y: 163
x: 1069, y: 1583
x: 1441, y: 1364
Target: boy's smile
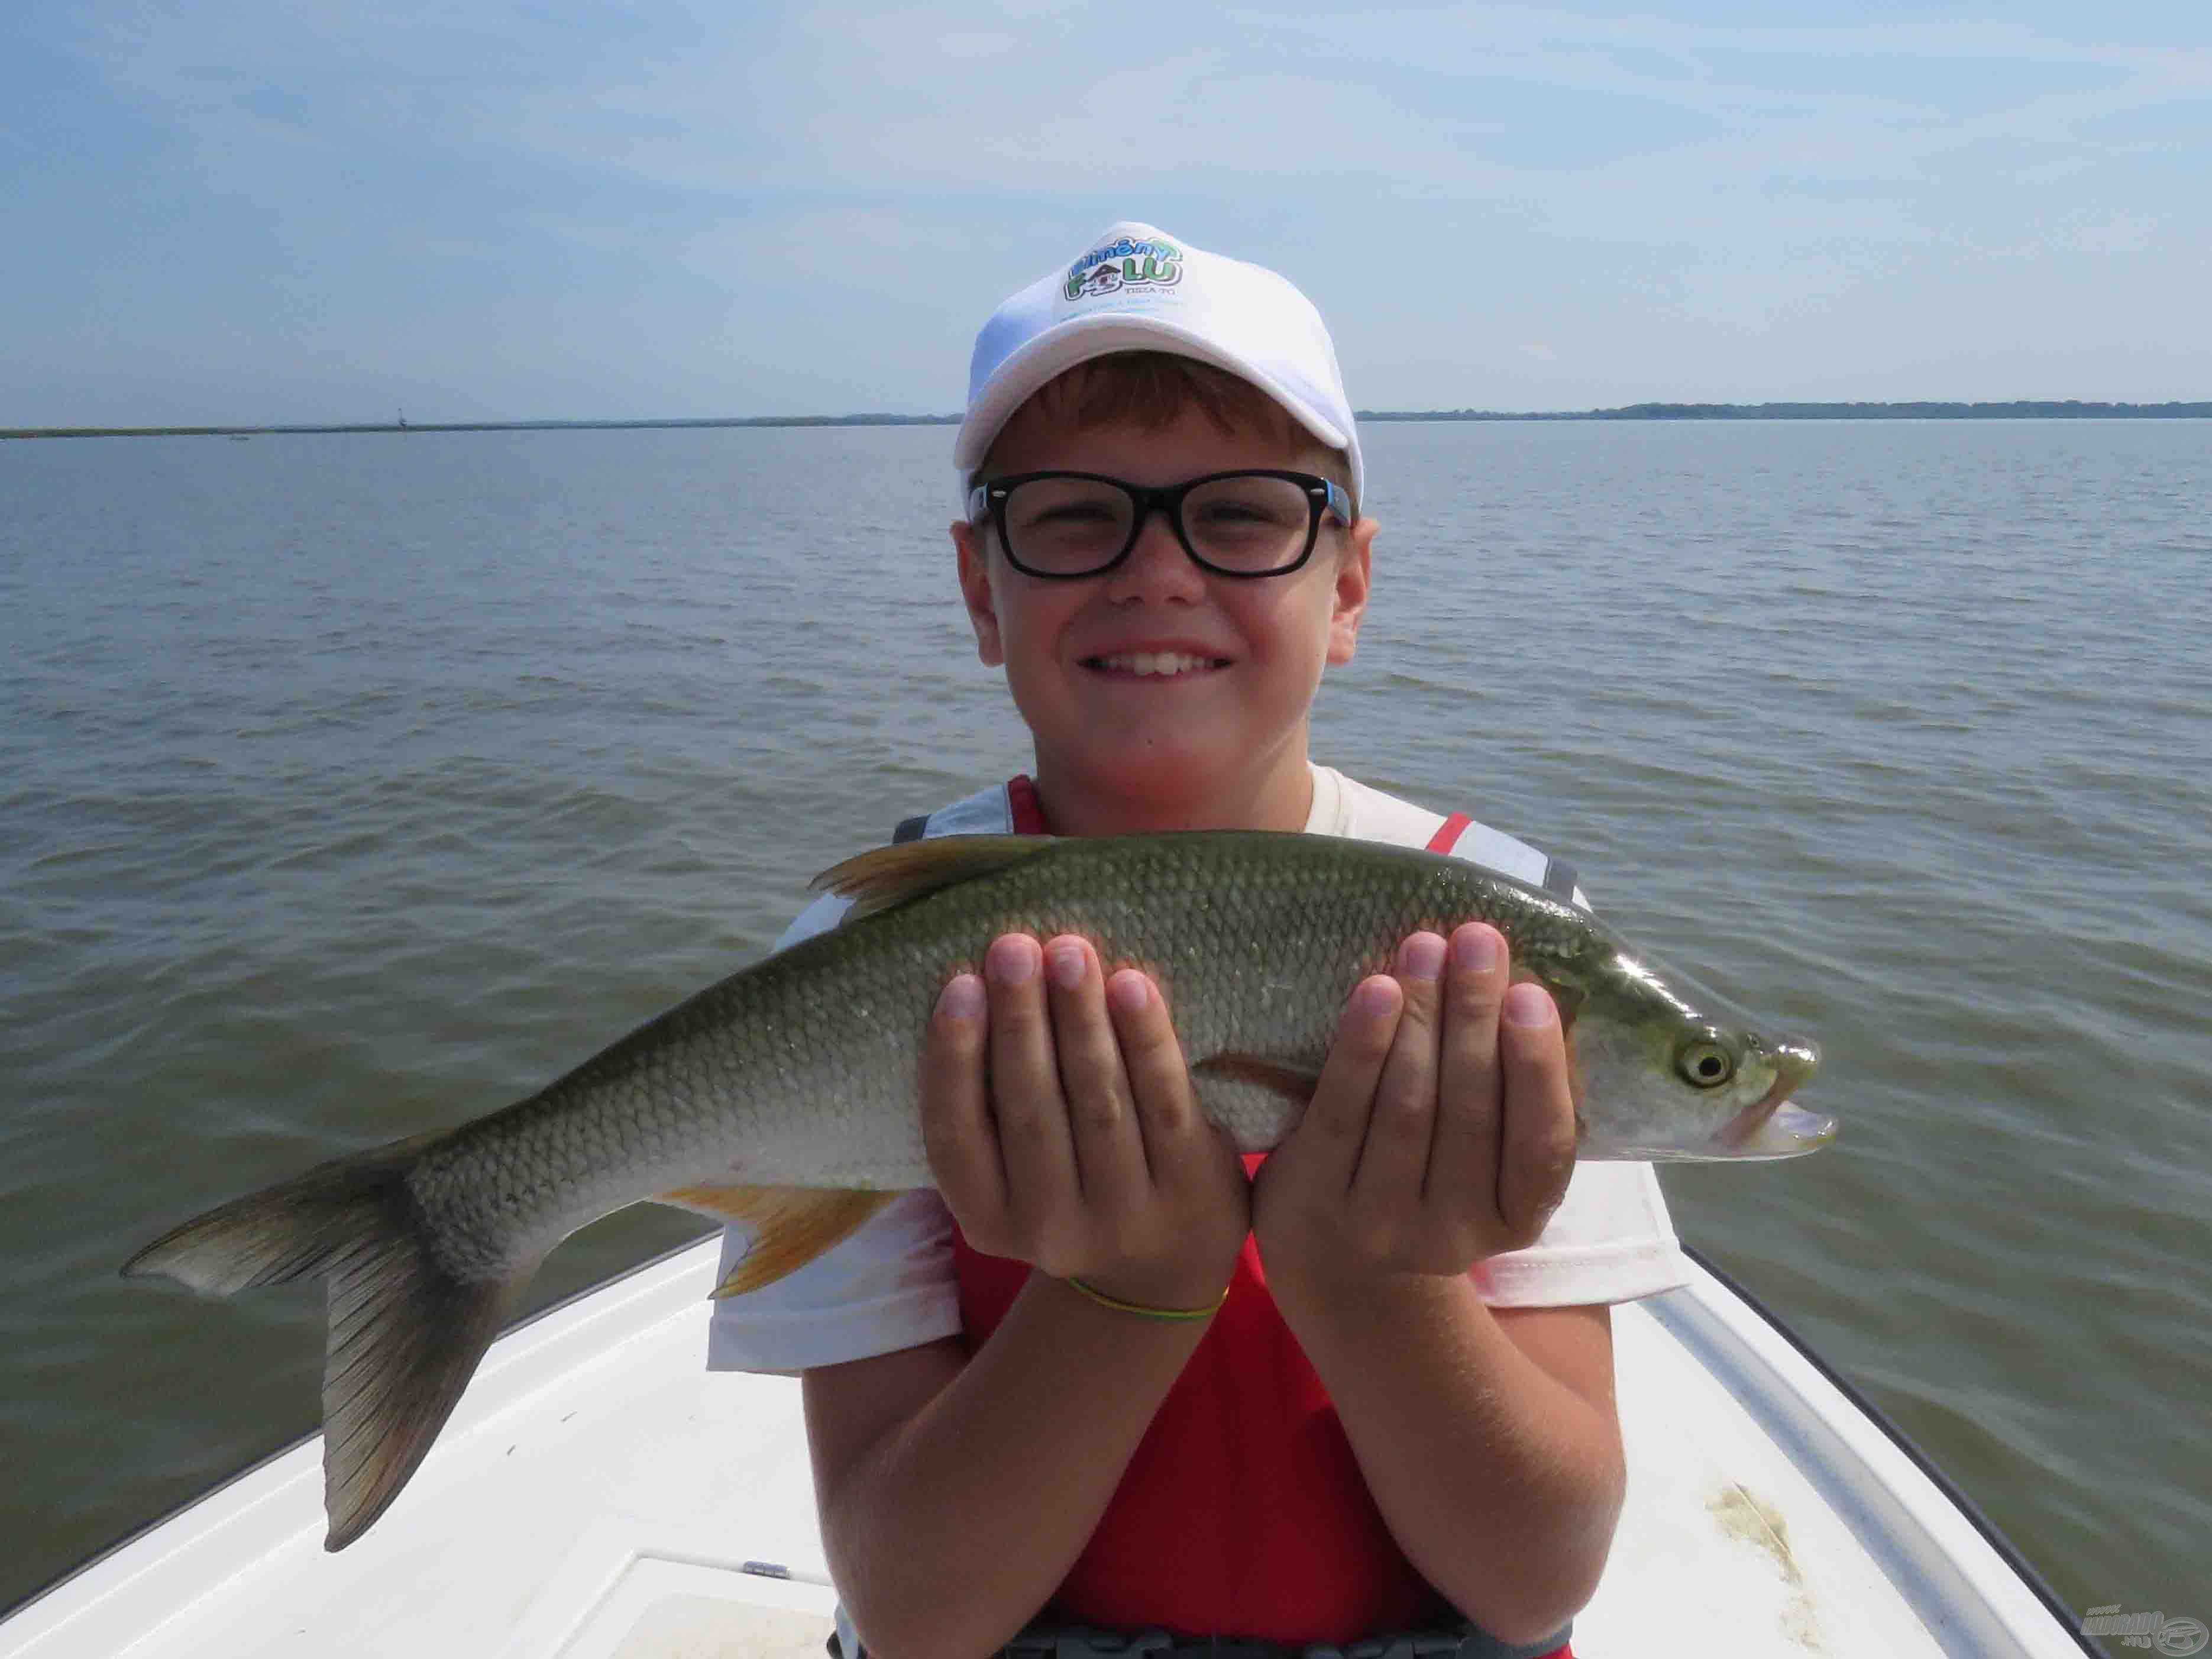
x: 1168, y: 662
x: 1162, y: 695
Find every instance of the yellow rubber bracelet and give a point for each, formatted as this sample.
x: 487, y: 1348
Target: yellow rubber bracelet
x: 1144, y: 1312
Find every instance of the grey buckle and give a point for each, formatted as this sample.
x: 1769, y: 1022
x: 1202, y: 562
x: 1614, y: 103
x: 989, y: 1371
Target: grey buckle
x: 1082, y: 1642
x: 1469, y: 1642
x: 1390, y: 1647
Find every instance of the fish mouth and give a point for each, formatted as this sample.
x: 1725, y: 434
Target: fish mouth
x: 1770, y: 1126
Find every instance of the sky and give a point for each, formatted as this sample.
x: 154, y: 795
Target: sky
x: 270, y: 211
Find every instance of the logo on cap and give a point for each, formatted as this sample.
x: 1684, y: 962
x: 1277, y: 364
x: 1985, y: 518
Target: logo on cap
x: 1113, y: 266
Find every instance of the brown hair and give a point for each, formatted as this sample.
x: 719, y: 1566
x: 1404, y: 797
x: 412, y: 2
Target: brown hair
x: 1151, y: 389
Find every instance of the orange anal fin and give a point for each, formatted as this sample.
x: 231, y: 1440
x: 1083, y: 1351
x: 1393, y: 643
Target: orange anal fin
x: 790, y: 1225
x: 1277, y: 1078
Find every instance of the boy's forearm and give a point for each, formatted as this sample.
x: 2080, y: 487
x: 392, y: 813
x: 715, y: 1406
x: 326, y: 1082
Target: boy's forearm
x: 1501, y: 1484
x: 955, y: 1527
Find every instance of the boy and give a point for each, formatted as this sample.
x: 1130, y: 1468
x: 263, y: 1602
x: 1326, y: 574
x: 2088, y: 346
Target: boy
x: 1114, y: 1377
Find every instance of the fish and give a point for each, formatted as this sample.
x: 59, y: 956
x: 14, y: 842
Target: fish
x: 784, y: 1097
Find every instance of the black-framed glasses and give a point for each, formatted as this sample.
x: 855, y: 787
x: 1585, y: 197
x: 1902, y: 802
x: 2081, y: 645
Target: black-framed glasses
x: 1060, y: 525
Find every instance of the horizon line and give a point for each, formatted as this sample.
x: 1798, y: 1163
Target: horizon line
x: 1917, y: 409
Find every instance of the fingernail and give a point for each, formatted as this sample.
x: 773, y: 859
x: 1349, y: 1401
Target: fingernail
x: 1421, y: 957
x: 1475, y: 950
x: 1012, y: 960
x: 1529, y: 1005
x: 1064, y: 964
x: 1374, y: 998
x: 1130, y: 992
x: 962, y: 997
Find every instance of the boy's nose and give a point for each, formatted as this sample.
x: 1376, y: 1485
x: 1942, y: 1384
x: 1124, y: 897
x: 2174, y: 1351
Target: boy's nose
x: 1157, y: 568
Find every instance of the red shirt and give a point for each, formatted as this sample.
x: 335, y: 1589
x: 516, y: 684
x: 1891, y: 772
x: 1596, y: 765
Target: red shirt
x: 1243, y: 1512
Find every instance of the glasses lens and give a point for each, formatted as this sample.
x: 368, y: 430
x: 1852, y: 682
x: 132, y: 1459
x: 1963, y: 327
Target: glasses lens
x: 1065, y: 526
x: 1247, y: 523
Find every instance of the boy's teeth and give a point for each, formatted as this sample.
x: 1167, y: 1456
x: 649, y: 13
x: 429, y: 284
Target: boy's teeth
x: 1153, y: 662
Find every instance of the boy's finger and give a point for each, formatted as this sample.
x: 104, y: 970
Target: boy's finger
x: 1536, y: 1155
x: 956, y: 1109
x: 1109, y: 1152
x: 1025, y: 1097
x: 1335, y: 1124
x: 1463, y: 1163
x: 1165, y: 1111
x: 1394, y: 1161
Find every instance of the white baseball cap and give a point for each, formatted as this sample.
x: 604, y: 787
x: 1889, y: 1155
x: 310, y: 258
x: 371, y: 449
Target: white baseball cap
x: 1136, y: 288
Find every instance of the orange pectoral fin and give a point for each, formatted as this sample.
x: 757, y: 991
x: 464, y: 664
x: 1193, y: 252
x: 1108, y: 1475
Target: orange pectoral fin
x: 790, y: 1225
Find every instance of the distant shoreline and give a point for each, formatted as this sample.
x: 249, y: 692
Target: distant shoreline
x: 2028, y: 409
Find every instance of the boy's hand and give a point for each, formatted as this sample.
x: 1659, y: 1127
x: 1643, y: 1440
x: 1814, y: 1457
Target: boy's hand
x: 1061, y: 1129
x: 1443, y: 1131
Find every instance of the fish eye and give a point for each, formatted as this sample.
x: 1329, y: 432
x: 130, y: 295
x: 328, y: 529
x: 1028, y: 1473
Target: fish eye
x: 1704, y: 1064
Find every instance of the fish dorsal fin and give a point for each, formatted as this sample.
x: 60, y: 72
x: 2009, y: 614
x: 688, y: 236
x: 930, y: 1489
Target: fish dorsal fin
x: 890, y: 876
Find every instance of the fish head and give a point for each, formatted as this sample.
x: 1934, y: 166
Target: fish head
x: 1664, y: 1071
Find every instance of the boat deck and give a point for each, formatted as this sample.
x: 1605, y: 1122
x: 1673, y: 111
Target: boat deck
x: 598, y: 1495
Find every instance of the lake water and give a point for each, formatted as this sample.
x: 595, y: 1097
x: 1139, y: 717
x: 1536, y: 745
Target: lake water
x: 353, y: 786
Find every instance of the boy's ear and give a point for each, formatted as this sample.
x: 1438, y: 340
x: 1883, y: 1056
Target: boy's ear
x: 1354, y: 569
x: 975, y: 593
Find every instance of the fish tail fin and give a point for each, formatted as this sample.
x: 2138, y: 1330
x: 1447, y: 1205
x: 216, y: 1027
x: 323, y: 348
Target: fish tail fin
x: 405, y: 1333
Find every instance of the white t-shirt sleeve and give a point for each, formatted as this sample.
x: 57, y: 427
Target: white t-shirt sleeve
x: 1609, y: 1241
x: 889, y: 1285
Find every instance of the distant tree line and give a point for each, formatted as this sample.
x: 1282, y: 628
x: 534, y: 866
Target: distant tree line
x: 2018, y: 409
x: 412, y: 427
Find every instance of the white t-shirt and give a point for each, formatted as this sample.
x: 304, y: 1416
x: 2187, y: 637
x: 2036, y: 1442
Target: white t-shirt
x: 890, y: 1286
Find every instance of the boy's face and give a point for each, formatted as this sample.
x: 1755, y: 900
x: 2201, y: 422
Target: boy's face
x: 1231, y: 719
